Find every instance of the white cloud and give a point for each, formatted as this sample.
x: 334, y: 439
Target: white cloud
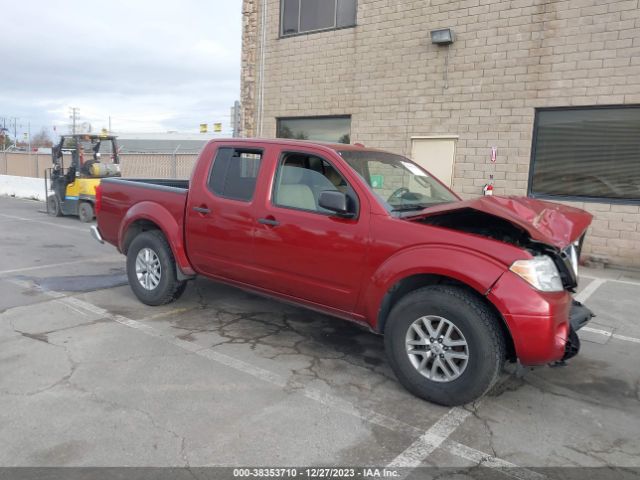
x: 151, y: 66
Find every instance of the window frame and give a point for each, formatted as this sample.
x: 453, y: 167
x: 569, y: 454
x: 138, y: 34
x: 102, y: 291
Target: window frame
x: 571, y: 198
x: 282, y: 35
x: 276, y: 178
x: 257, y: 151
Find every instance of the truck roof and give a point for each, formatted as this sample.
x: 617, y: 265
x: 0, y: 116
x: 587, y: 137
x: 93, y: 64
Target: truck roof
x: 293, y: 142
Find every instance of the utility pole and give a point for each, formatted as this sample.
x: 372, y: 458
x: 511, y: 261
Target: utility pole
x: 3, y: 134
x: 109, y: 124
x: 75, y: 111
x: 235, y: 119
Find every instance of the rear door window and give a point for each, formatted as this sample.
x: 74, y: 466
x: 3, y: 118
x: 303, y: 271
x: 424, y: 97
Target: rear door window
x: 234, y: 173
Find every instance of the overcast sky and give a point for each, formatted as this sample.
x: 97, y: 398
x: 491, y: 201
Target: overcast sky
x: 153, y: 66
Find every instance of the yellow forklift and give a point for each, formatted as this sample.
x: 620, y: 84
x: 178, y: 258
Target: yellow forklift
x: 72, y: 190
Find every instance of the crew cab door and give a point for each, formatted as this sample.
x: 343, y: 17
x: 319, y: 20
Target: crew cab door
x: 302, y: 250
x: 221, y: 211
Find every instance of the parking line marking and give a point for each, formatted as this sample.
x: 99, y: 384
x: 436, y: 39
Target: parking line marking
x: 424, y: 446
x: 489, y: 461
x: 436, y: 436
x: 626, y: 282
x: 273, y: 378
x: 611, y: 334
x: 53, y: 265
x: 590, y: 290
x: 29, y: 285
x: 51, y: 224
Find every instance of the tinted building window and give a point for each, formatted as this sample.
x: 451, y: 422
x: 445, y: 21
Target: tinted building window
x: 316, y: 15
x: 346, y: 13
x: 290, y: 16
x: 234, y: 173
x: 587, y: 152
x: 325, y: 129
x: 299, y: 16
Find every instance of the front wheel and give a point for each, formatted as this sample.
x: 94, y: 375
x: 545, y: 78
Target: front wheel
x: 444, y: 344
x: 151, y: 269
x: 53, y: 206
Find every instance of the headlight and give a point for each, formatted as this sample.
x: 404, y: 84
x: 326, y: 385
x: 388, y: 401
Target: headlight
x: 540, y: 272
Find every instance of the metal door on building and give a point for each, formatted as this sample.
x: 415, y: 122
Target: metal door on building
x: 435, y: 154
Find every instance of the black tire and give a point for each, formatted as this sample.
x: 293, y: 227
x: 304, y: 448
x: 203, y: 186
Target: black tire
x: 53, y: 206
x: 168, y: 288
x: 85, y: 212
x: 477, y: 323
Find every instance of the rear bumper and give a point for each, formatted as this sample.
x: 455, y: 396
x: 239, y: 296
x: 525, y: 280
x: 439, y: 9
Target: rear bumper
x: 95, y: 233
x: 540, y: 323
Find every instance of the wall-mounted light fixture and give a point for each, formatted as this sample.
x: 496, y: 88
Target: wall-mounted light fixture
x: 443, y: 36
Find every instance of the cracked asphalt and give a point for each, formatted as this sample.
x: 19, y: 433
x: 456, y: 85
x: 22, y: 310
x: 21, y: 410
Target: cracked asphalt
x: 91, y: 377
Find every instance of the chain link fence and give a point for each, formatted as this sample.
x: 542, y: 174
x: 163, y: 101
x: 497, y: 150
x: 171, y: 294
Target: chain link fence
x: 132, y: 165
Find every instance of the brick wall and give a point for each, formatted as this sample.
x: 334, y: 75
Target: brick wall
x: 509, y: 57
x: 249, y: 67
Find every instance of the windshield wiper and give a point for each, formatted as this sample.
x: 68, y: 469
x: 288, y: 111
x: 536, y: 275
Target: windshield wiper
x: 416, y: 206
x: 409, y: 208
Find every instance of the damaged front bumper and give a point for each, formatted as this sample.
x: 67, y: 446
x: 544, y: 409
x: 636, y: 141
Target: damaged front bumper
x: 543, y: 325
x: 579, y: 316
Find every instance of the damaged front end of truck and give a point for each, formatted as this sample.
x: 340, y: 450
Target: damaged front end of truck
x: 549, y: 232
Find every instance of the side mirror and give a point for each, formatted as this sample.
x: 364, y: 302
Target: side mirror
x: 336, y: 202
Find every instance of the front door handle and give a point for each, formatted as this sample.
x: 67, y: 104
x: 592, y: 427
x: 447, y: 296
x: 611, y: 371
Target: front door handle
x: 269, y: 221
x: 203, y: 210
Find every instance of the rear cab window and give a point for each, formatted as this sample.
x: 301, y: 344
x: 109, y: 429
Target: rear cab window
x: 234, y: 173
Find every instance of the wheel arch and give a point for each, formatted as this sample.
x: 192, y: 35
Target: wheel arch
x: 436, y: 268
x: 414, y: 282
x: 147, y: 216
x: 136, y: 228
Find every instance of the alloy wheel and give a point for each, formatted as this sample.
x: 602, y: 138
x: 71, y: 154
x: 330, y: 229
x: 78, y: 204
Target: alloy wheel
x: 148, y: 269
x: 437, y: 348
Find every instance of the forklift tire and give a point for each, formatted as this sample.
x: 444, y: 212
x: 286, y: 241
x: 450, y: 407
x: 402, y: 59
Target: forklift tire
x: 85, y: 212
x: 53, y: 206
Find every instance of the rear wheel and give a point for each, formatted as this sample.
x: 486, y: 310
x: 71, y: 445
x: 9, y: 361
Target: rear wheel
x: 53, y: 206
x: 444, y: 344
x: 151, y: 269
x: 85, y: 212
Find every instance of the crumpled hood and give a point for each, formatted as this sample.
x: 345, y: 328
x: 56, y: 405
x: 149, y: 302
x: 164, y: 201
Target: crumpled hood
x: 546, y: 222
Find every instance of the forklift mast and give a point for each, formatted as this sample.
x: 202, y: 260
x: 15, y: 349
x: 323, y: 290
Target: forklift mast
x: 73, y: 143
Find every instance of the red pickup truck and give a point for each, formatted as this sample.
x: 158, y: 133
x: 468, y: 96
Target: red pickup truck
x: 456, y: 287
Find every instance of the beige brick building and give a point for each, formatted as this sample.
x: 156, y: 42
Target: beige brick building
x: 376, y: 70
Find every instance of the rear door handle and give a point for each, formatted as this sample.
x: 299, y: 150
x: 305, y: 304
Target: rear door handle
x: 203, y: 210
x: 269, y: 221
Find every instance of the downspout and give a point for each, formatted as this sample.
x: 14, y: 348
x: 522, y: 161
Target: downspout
x: 263, y: 32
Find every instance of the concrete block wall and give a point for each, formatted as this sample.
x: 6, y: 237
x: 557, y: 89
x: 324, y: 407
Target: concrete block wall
x: 510, y: 57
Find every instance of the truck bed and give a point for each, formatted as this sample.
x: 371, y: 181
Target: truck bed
x: 163, y: 199
x: 155, y: 183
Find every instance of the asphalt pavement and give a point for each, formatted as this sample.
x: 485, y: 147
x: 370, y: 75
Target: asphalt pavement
x: 89, y: 376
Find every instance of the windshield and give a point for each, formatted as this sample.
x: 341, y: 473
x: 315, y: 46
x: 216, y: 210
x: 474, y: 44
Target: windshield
x: 400, y: 184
